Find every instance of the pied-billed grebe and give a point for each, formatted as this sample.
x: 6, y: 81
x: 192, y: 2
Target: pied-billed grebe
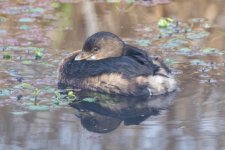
x: 106, y: 64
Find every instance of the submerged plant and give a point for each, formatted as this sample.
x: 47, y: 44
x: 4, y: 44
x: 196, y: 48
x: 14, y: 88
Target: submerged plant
x: 71, y: 96
x: 38, y: 53
x: 36, y: 93
x: 27, y: 62
x: 143, y: 42
x: 164, y: 22
x: 57, y: 97
x: 4, y: 92
x: 7, y: 55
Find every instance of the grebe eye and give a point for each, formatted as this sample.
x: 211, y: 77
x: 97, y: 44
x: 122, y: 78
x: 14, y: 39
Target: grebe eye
x: 95, y: 49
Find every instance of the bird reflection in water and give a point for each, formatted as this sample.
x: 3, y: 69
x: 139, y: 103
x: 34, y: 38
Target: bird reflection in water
x: 106, y: 112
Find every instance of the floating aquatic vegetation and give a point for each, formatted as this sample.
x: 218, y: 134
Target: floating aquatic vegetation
x: 57, y: 97
x: 209, y: 50
x: 143, y: 42
x: 26, y: 20
x: 71, y: 96
x: 169, y: 61
x: 186, y: 30
x: 39, y: 53
x: 25, y: 27
x: 24, y: 85
x: 38, y: 107
x: 23, y: 9
x: 36, y: 10
x: 175, y: 42
x: 165, y: 22
x: 210, y: 80
x: 49, y: 89
x: 197, y: 62
x: 27, y: 62
x: 4, y: 93
x: 36, y: 93
x: 17, y: 113
x: 165, y: 33
x: 19, y: 48
x: 194, y: 35
x: 184, y: 51
x: 170, y: 29
x: 46, y: 64
x: 7, y: 55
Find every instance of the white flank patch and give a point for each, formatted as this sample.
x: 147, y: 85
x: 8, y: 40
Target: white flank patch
x: 78, y: 57
x: 93, y: 57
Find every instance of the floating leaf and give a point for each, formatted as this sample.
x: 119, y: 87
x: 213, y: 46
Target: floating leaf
x: 174, y: 43
x: 25, y: 27
x: 143, y: 42
x: 170, y: 61
x: 19, y: 48
x: 197, y: 35
x: 7, y: 55
x: 36, y: 91
x: 164, y: 22
x: 27, y: 62
x: 37, y: 10
x: 71, y: 96
x: 89, y: 99
x: 4, y: 93
x: 197, y: 62
x: 16, y: 10
x: 24, y: 85
x: 186, y: 30
x: 19, y: 112
x: 26, y: 20
x: 38, y: 107
x: 166, y: 32
x: 38, y: 53
x: 56, y: 102
x: 57, y: 97
x: 209, y: 50
x: 49, y: 89
x: 46, y: 64
x: 184, y: 51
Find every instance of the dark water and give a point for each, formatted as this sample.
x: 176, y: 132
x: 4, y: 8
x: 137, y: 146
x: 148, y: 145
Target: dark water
x: 194, y: 49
